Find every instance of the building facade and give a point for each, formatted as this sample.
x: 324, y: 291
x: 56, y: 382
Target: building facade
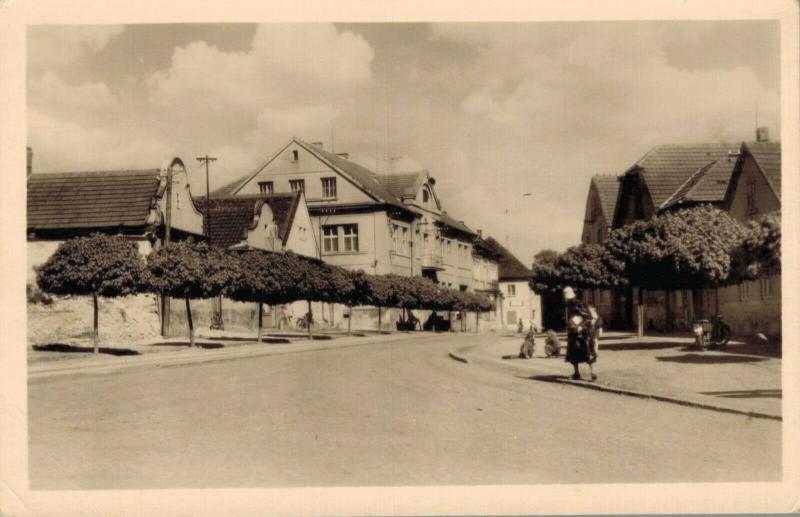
x: 518, y: 304
x: 742, y: 179
x: 380, y: 224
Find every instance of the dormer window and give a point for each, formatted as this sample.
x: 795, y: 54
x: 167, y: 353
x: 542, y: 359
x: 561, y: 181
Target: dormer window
x: 295, y: 155
x: 265, y: 187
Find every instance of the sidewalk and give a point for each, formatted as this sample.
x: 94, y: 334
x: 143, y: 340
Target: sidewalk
x: 738, y: 378
x: 209, y: 348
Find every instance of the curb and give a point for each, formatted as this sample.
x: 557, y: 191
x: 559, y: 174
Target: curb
x: 454, y: 355
x: 186, y: 360
x: 458, y: 356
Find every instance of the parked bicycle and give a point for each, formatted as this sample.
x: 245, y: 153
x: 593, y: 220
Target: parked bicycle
x: 714, y: 333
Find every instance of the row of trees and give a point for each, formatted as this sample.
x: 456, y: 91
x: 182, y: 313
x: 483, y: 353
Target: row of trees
x: 111, y: 266
x: 691, y: 248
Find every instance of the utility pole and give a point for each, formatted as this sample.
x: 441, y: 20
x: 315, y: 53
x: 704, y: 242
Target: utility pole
x: 216, y: 322
x: 167, y: 223
x: 207, y: 159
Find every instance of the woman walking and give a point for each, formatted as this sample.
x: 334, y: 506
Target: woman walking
x: 580, y: 334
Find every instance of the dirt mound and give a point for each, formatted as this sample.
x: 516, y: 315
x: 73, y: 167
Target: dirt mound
x: 122, y: 321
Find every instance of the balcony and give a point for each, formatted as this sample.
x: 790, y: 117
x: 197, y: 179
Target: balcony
x: 431, y: 260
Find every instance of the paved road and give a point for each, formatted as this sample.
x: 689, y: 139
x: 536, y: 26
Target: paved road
x: 384, y: 414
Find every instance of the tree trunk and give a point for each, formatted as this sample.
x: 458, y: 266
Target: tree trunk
x: 477, y: 320
x: 640, y: 313
x: 349, y: 318
x: 191, y: 323
x: 164, y: 316
x: 94, y: 326
x: 309, y: 317
x: 260, y: 319
x: 379, y: 320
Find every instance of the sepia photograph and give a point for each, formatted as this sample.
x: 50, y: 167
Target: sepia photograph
x: 357, y: 254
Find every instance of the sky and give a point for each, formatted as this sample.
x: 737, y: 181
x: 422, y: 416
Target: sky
x: 494, y: 111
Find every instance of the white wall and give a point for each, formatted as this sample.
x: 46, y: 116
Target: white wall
x: 524, y: 304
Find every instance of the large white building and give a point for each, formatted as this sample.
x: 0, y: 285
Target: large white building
x: 378, y: 223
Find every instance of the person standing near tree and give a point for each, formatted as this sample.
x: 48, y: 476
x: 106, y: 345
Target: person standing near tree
x: 579, y: 334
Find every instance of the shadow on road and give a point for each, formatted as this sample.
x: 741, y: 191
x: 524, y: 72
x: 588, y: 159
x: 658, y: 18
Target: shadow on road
x: 209, y: 346
x: 273, y: 340
x: 547, y: 378
x: 709, y: 359
x: 74, y: 349
x: 624, y: 347
x: 746, y: 394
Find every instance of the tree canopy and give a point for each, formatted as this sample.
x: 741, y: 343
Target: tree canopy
x: 760, y: 251
x: 99, y: 265
x: 188, y: 269
x: 682, y: 249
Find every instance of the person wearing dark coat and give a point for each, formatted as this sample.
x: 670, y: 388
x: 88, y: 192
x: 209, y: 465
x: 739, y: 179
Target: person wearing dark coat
x: 580, y: 334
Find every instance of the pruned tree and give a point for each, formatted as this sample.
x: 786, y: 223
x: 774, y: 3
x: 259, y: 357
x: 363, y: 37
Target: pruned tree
x: 690, y: 248
x: 545, y: 277
x: 759, y: 253
x: 310, y: 283
x: 346, y: 288
x: 380, y: 293
x: 97, y: 266
x: 190, y: 271
x: 261, y: 277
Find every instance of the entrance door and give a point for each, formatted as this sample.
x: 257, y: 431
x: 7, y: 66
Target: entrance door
x: 511, y: 318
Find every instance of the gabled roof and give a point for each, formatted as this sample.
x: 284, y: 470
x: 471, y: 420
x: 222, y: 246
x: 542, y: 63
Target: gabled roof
x: 91, y: 200
x: 768, y: 157
x: 607, y: 189
x: 667, y: 167
x: 233, y: 216
x: 481, y: 247
x: 362, y: 177
x: 404, y: 185
x: 509, y: 266
x: 707, y: 185
x: 447, y: 220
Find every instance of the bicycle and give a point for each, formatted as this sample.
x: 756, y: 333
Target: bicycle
x: 713, y: 333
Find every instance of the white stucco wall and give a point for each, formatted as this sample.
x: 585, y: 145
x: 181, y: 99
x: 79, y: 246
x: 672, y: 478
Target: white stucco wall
x: 524, y: 304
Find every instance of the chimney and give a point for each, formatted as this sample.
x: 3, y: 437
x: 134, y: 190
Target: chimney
x: 480, y: 233
x: 318, y: 144
x: 30, y: 161
x: 762, y: 134
x: 346, y: 156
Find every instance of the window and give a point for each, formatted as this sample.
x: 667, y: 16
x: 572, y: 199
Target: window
x: 751, y: 197
x: 296, y: 185
x: 744, y: 291
x: 330, y: 239
x: 339, y: 238
x: 512, y: 290
x: 395, y: 238
x: 329, y: 188
x: 265, y: 187
x: 350, y: 237
x: 295, y: 155
x: 766, y: 287
x: 425, y: 196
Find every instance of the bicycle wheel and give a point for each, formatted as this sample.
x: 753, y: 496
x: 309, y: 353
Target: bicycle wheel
x: 723, y: 335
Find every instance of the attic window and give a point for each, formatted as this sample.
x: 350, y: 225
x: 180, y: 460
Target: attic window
x: 295, y: 155
x: 425, y: 196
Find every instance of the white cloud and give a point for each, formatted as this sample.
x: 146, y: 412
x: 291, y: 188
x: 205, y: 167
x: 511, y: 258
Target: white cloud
x: 288, y: 64
x: 64, y: 146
